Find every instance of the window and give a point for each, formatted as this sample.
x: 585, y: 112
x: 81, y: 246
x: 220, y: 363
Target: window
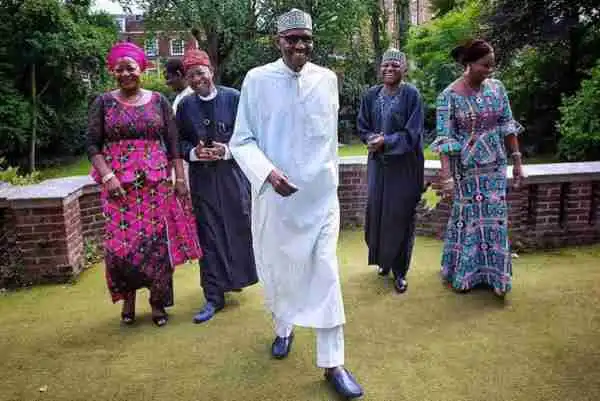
x: 121, y: 23
x: 151, y: 47
x: 177, y: 47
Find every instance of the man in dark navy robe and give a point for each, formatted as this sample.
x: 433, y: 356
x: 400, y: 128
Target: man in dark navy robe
x: 220, y: 191
x: 390, y: 123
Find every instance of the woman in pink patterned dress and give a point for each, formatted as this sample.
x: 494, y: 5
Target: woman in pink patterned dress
x: 149, y: 229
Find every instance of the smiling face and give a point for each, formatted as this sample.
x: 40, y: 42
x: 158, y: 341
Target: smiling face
x: 392, y: 72
x: 296, y: 46
x: 482, y: 69
x: 200, y: 79
x: 127, y: 72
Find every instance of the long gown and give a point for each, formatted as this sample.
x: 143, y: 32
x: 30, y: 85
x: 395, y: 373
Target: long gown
x: 221, y: 196
x: 471, y: 129
x: 150, y: 230
x: 288, y: 120
x: 395, y: 174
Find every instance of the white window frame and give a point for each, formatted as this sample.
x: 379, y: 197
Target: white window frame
x: 156, y: 49
x: 171, y: 42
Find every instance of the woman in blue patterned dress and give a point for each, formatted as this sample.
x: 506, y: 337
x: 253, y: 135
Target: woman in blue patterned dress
x: 476, y: 134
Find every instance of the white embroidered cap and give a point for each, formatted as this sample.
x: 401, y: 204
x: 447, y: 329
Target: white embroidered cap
x: 294, y: 19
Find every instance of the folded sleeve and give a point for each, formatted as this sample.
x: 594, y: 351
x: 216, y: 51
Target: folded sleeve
x: 445, y: 141
x: 507, y: 124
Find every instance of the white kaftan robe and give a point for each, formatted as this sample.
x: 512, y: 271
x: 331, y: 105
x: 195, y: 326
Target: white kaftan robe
x: 288, y: 120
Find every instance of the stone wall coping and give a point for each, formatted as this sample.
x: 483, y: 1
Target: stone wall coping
x: 64, y: 188
x: 53, y: 189
x: 535, y: 173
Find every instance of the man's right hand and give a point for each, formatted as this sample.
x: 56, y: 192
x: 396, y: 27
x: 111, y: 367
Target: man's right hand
x: 280, y: 183
x: 205, y: 154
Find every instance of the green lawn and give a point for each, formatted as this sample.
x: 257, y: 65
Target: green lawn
x: 430, y: 344
x: 358, y: 149
x: 81, y: 166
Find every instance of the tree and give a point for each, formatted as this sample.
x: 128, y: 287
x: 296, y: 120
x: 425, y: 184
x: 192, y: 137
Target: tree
x: 564, y: 35
x: 48, y: 46
x: 428, y: 47
x: 237, y: 34
x: 514, y: 24
x: 580, y: 121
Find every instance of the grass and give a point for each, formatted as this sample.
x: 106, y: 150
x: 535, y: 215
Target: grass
x: 81, y: 165
x: 427, y: 345
x: 358, y: 149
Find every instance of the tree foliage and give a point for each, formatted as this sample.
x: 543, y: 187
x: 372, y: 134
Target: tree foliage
x: 440, y: 8
x: 48, y: 46
x: 514, y: 24
x: 238, y: 34
x: 428, y: 48
x: 580, y: 121
x: 545, y: 48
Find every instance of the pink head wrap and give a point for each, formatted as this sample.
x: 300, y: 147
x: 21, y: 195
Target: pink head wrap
x: 126, y: 49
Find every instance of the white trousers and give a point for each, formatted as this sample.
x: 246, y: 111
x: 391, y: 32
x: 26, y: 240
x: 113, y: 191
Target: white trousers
x: 330, y: 343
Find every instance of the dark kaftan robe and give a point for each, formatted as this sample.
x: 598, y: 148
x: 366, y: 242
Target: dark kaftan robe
x: 395, y: 174
x: 220, y: 195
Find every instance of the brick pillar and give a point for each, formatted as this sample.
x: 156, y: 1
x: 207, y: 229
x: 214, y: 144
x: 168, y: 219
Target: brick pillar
x: 49, y: 237
x: 578, y: 214
x: 544, y: 214
x: 92, y: 218
x: 518, y: 201
x: 352, y: 193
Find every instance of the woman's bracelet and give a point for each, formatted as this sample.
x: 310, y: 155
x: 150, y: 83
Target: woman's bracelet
x: 108, y: 177
x: 516, y: 154
x: 180, y: 180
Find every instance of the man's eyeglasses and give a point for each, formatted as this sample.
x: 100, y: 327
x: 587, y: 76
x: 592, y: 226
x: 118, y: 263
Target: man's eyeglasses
x: 294, y: 39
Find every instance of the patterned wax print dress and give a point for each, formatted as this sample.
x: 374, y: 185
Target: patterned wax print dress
x: 471, y: 130
x: 150, y: 230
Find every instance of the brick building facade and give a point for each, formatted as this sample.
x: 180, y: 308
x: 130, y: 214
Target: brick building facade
x: 414, y: 12
x: 159, y: 45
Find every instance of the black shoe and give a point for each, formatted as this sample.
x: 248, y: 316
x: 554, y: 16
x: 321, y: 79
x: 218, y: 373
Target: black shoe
x: 282, y: 346
x: 128, y: 318
x: 383, y: 272
x: 160, y: 320
x: 343, y: 382
x: 401, y: 285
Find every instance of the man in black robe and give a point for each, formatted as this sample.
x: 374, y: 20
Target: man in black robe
x: 220, y: 191
x: 390, y: 123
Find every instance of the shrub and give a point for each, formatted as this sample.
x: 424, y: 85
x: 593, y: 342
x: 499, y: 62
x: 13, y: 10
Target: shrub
x: 11, y: 175
x: 580, y: 121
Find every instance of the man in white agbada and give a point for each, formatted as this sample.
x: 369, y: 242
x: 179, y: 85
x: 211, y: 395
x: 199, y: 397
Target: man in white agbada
x: 285, y: 141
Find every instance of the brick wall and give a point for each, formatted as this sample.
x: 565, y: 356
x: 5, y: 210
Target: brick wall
x: 92, y: 219
x: 44, y: 227
x: 558, y: 205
